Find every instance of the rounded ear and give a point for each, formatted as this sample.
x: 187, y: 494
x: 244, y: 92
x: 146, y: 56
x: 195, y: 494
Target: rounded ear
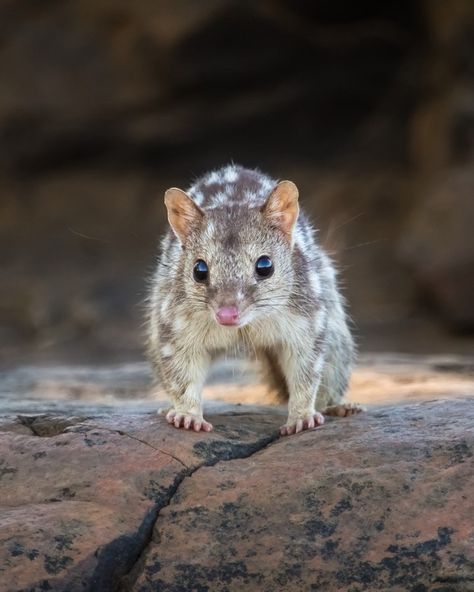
x: 281, y: 207
x: 183, y: 213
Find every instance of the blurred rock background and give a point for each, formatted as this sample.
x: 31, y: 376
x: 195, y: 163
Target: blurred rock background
x: 368, y: 106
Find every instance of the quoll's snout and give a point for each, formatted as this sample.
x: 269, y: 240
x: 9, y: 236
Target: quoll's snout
x: 228, y: 315
x: 229, y: 302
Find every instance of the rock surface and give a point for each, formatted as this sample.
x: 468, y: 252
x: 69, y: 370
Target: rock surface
x: 100, y: 494
x: 79, y: 496
x: 382, y: 502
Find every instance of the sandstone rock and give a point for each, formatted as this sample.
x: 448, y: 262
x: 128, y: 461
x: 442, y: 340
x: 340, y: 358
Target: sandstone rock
x: 79, y: 496
x: 98, y: 493
x: 379, y: 502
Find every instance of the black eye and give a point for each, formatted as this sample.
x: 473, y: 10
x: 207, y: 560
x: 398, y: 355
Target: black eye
x: 200, y: 271
x: 264, y: 266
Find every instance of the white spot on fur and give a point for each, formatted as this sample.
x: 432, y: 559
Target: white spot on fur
x: 319, y: 322
x: 210, y: 228
x: 315, y: 283
x: 195, y: 194
x: 250, y: 195
x: 267, y: 185
x: 318, y: 364
x: 230, y: 175
x: 220, y: 197
x: 198, y: 197
x: 179, y: 324
x: 299, y: 238
x: 167, y: 350
x: 213, y: 177
x: 164, y: 306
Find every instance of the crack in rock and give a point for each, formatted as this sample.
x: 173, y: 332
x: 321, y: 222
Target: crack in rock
x: 120, y: 560
x: 211, y: 453
x: 123, y: 433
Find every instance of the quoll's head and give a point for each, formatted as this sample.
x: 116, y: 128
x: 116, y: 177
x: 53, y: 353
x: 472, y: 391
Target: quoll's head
x: 236, y: 260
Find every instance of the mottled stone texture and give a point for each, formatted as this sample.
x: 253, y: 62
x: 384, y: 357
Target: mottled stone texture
x: 378, y: 502
x: 79, y: 496
x: 100, y: 494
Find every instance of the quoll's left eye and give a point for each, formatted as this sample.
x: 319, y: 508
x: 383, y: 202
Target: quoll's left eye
x: 200, y: 271
x: 264, y: 266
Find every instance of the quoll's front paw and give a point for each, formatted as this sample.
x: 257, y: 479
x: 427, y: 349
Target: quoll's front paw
x: 188, y: 421
x: 304, y: 423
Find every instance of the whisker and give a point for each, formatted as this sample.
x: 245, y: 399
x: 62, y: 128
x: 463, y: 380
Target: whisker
x: 88, y: 237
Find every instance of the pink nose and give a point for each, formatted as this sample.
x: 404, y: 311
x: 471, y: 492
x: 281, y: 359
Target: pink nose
x: 228, y: 315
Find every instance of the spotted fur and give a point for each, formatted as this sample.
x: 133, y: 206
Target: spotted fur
x: 295, y: 322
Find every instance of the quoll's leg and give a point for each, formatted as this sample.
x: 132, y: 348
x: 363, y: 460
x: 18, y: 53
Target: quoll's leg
x: 303, y: 375
x: 183, y: 377
x: 272, y: 375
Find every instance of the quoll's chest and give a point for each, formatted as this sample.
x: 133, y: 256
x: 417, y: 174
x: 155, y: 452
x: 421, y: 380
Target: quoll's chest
x: 275, y: 330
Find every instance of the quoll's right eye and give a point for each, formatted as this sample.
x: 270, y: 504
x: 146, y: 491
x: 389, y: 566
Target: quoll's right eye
x: 264, y: 266
x: 200, y: 271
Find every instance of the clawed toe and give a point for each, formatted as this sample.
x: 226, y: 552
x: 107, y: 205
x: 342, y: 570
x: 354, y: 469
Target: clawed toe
x: 187, y: 421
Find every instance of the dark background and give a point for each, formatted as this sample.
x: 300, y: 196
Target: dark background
x: 368, y: 106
